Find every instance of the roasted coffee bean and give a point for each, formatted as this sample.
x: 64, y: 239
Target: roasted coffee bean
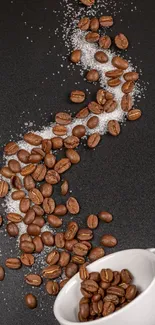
x: 54, y: 221
x: 62, y: 283
x: 12, y: 229
x: 116, y: 279
x: 106, y: 275
x: 25, y: 237
x: 79, y: 260
x: 106, y: 21
x: 11, y: 148
x: 48, y: 205
x: 128, y: 87
x: 52, y: 177
x: 93, y: 122
x: 37, y: 241
x: 39, y: 173
x: 83, y: 272
x: 96, y: 253
x: 60, y: 210
x: 94, y: 24
x: 110, y: 105
x: 92, y: 37
x: 63, y: 118
x: 116, y: 73
x: 59, y: 130
x: 103, y: 95
x: 49, y: 160
x: 13, y: 263
x: 35, y: 158
x: 121, y: 41
x: 84, y: 23
x: 6, y: 172
x: 33, y: 139
x: 47, y: 238
x: 108, y: 241
x: 30, y: 301
x: 95, y: 108
x: 1, y: 221
x: 38, y: 210
x: 46, y: 190
x: 27, y: 170
x: 27, y: 247
x: 95, y: 276
x: 96, y: 297
x: 52, y: 288
x: 114, y: 127
x: 29, y: 183
x: 84, y: 300
x: 86, y: 294
x: 14, y: 166
x: 70, y: 243
x: 46, y: 145
x: 71, y: 231
x: 134, y: 114
x: 39, y: 221
x: 23, y: 155
x: 62, y: 165
x: 124, y: 285
x: 114, y: 82
x: 71, y: 269
x: 38, y: 151
x: 89, y: 285
x: 14, y: 217
x: 2, y: 273
x: 126, y: 103
x: 33, y: 280
x: 64, y: 188
x: 79, y: 131
x: 82, y: 113
x: 108, y: 308
x: 84, y: 310
x: 126, y: 276
x: 80, y: 249
x: 27, y: 259
x: 18, y: 195
x: 52, y: 272
x: 92, y: 221
x: 104, y: 285
x: 71, y: 142
x: 105, y: 42
x: 33, y: 230
x: 16, y: 182
x: 60, y: 240
x: 4, y: 188
x: 53, y: 257
x: 64, y: 259
x: 24, y: 205
x: 131, y: 292
x: 98, y: 307
x: 77, y: 96
x: 85, y: 234
x: 73, y: 205
x: 92, y: 75
x: 120, y: 63
x: 131, y: 76
x: 75, y: 58
x: 101, y: 57
x: 93, y: 140
x: 105, y: 216
x: 57, y: 143
x: 36, y: 196
x: 115, y: 290
x: 73, y: 156
x: 88, y: 2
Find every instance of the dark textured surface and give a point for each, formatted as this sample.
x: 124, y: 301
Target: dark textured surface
x: 118, y: 175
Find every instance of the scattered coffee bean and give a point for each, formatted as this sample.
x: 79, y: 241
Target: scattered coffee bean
x: 6, y: 172
x: 14, y: 166
x: 11, y: 148
x: 71, y: 142
x: 64, y: 259
x: 93, y: 122
x: 16, y: 182
x: 108, y: 241
x: 114, y: 82
x: 33, y: 230
x: 128, y: 87
x: 114, y: 128
x: 110, y: 105
x: 52, y: 288
x: 102, y: 96
x: 54, y: 221
x: 84, y: 23
x: 33, y: 139
x: 71, y: 231
x: 48, y: 205
x: 84, y: 112
x: 47, y: 238
x: 52, y: 272
x: 24, y: 205
x: 25, y: 237
x: 27, y: 170
x: 60, y: 240
x: 70, y: 243
x: 77, y: 96
x: 53, y: 257
x: 27, y: 259
x: 63, y: 118
x: 105, y: 216
x: 36, y: 196
x: 73, y: 156
x: 38, y: 244
x: 105, y: 42
x: 57, y: 143
x: 60, y: 210
x: 95, y: 108
x: 116, y: 73
x: 70, y: 270
x: 29, y: 182
x: 92, y: 37
x: 14, y: 217
x: 13, y: 263
x: 46, y: 145
x: 94, y: 24
x: 12, y: 229
x: 4, y: 188
x: 84, y: 234
x: 49, y: 160
x: 92, y: 221
x: 64, y: 188
x: 79, y: 131
x: 59, y: 130
x: 33, y: 280
x: 121, y: 41
x: 126, y: 103
x: 38, y: 210
x: 18, y: 195
x: 96, y: 253
x: 52, y: 177
x: 2, y: 273
x: 126, y: 276
x: 131, y: 76
x: 120, y: 63
x: 80, y: 249
x: 30, y: 301
x: 93, y: 140
x: 106, y: 21
x: 134, y: 114
x: 27, y: 247
x: 46, y: 190
x: 101, y: 57
x: 1, y: 221
x: 79, y: 260
x: 73, y: 205
x: 92, y: 75
x: 75, y: 58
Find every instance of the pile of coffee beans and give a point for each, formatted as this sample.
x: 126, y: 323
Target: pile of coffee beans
x: 104, y: 293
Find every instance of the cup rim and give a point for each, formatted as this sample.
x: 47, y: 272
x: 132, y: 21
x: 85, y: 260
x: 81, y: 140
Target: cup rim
x: 98, y: 321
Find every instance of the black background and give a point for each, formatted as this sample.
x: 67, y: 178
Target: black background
x: 118, y: 175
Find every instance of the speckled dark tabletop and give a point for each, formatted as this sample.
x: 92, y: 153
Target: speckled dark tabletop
x: 119, y: 175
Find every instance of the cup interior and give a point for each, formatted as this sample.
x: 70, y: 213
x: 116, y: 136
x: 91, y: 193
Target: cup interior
x: 140, y: 263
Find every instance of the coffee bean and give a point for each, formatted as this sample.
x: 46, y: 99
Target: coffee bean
x: 108, y: 308
x: 93, y: 140
x: 14, y: 217
x: 27, y: 247
x: 25, y: 237
x: 39, y: 221
x: 108, y: 241
x: 46, y: 145
x: 16, y: 182
x: 54, y: 221
x: 81, y: 319
x: 2, y: 273
x: 88, y: 2
x: 79, y: 260
x: 94, y: 24
x: 29, y: 183
x: 71, y: 142
x: 6, y: 172
x: 4, y: 188
x: 105, y: 216
x: 46, y: 190
x: 37, y: 241
x: 83, y: 273
x: 33, y: 230
x: 52, y: 288
x: 11, y: 148
x: 64, y: 259
x: 124, y: 285
x: 13, y: 263
x: 105, y: 42
x: 33, y: 139
x: 106, y: 21
x: 95, y: 108
x: 92, y: 221
x: 96, y: 297
x: 52, y: 272
x: 71, y: 269
x: 92, y: 37
x: 59, y: 130
x: 27, y: 170
x: 23, y: 155
x: 89, y: 285
x: 33, y: 280
x: 120, y: 63
x: 72, y: 229
x: 84, y: 310
x: 80, y: 249
x: 59, y: 240
x: 128, y: 87
x: 77, y: 96
x: 24, y: 205
x: 47, y: 238
x: 62, y: 165
x: 48, y: 205
x: 35, y: 196
x: 131, y: 292
x: 27, y: 259
x: 50, y: 160
x: 84, y: 23
x: 114, y: 82
x: 35, y: 158
x: 73, y: 156
x: 95, y: 276
x: 79, y: 131
x: 52, y: 177
x: 93, y: 122
x: 39, y: 173
x: 30, y: 301
x: 121, y: 41
x: 96, y: 253
x: 82, y: 113
x: 64, y: 188
x: 92, y: 75
x: 86, y: 294
x: 134, y: 114
x: 126, y: 276
x: 63, y: 118
x: 14, y: 166
x: 84, y: 234
x: 115, y: 290
x: 38, y: 210
x: 53, y: 257
x: 37, y: 151
x: 116, y: 73
x: 73, y: 205
x: 12, y: 229
x: 18, y: 195
x: 87, y: 243
x: 106, y: 275
x: 102, y: 96
x: 114, y: 128
x: 1, y: 221
x: 70, y: 243
x: 101, y: 57
x: 76, y: 56
x: 104, y: 285
x: 131, y: 76
x: 98, y: 307
x: 126, y: 103
x: 60, y: 210
x: 116, y: 279
x: 110, y: 105
x: 62, y: 283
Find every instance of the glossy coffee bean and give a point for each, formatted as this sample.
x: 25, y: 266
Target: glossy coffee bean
x: 93, y: 140
x: 24, y: 205
x: 54, y: 221
x: 13, y: 263
x: 121, y: 41
x: 71, y: 269
x: 106, y: 21
x: 114, y: 127
x: 84, y: 234
x: 33, y: 230
x: 92, y: 37
x: 73, y: 156
x: 27, y: 247
x: 64, y: 259
x: 29, y: 182
x: 64, y: 187
x: 73, y: 205
x: 77, y: 96
x: 33, y: 280
x: 52, y: 272
x: 92, y: 75
x: 63, y: 118
x: 48, y: 205
x: 93, y: 122
x: 107, y: 275
x: 120, y: 63
x: 76, y: 56
x: 96, y: 253
x: 105, y: 42
x: 105, y: 216
x: 47, y: 238
x: 27, y: 259
x: 50, y: 160
x: 84, y: 23
x: 2, y: 273
x: 38, y: 244
x: 12, y: 229
x: 53, y: 257
x: 18, y: 195
x: 94, y: 24
x: 30, y: 301
x: 11, y: 148
x: 108, y: 241
x: 52, y: 288
x: 79, y: 131
x: 134, y: 114
x: 72, y: 229
x: 59, y: 240
x: 33, y: 139
x: 92, y: 221
x: 57, y: 143
x: 60, y: 210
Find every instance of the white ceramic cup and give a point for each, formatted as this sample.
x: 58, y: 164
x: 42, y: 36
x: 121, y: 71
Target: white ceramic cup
x: 140, y: 311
